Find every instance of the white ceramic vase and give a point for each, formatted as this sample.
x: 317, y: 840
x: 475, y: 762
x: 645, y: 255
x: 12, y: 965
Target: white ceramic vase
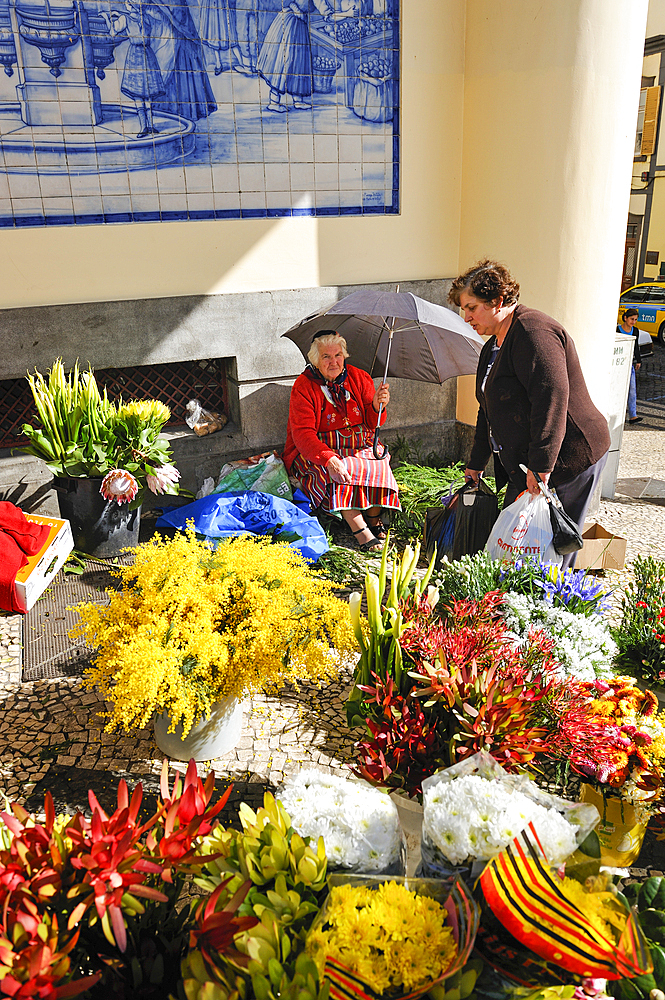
x: 212, y: 737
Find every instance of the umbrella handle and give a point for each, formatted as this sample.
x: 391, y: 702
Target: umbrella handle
x: 375, y: 443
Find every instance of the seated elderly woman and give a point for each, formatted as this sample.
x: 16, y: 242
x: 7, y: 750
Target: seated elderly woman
x: 333, y: 412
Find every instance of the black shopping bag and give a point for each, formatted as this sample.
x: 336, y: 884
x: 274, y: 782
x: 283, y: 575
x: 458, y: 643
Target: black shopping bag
x: 439, y: 528
x: 461, y: 525
x: 439, y: 531
x: 476, y: 511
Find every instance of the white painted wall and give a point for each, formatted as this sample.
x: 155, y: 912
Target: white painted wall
x: 551, y: 95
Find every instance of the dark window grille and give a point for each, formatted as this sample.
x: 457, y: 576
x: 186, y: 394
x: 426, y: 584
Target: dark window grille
x: 174, y: 384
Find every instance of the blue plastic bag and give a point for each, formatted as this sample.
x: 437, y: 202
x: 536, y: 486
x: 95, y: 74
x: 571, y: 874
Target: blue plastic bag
x: 221, y: 515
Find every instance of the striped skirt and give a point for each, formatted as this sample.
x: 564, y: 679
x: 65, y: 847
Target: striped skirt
x: 373, y: 481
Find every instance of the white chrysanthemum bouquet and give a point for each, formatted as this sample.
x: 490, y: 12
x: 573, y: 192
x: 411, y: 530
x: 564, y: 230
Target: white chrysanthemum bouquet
x: 473, y: 810
x: 359, y: 823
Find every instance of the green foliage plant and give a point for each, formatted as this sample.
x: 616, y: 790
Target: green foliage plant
x: 639, y: 634
x: 288, y: 877
x: 648, y: 898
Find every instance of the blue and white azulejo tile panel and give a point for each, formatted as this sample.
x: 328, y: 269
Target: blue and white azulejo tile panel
x: 147, y: 110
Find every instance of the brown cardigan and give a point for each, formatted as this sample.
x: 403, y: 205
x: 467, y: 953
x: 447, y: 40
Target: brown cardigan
x: 537, y: 403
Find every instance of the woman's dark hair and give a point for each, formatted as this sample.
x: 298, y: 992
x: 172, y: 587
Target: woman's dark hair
x: 630, y: 312
x: 488, y: 281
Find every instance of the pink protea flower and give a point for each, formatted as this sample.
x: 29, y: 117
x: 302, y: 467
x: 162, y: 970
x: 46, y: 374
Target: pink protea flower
x: 165, y: 476
x: 119, y: 485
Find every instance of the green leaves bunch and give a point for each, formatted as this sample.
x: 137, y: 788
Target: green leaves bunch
x: 639, y: 635
x: 649, y: 899
x: 288, y: 884
x: 380, y: 650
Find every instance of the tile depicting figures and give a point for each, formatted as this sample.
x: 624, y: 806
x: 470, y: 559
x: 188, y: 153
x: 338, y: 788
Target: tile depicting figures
x: 125, y: 110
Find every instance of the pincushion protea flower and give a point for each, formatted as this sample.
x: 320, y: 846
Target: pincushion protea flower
x: 163, y: 479
x: 119, y: 485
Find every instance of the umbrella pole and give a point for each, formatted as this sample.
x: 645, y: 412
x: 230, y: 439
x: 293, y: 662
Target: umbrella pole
x: 375, y: 443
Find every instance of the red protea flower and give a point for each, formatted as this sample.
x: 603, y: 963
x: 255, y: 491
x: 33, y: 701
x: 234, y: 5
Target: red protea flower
x: 119, y: 485
x: 189, y: 816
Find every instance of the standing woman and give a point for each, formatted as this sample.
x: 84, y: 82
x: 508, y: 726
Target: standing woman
x: 535, y: 407
x: 217, y: 29
x: 333, y: 412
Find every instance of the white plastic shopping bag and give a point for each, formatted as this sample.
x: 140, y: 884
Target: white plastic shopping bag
x: 524, y: 529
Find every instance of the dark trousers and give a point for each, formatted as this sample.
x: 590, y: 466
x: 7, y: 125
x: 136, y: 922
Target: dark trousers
x: 575, y: 495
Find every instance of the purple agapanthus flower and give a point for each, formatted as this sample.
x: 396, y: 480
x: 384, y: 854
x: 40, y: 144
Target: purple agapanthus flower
x: 574, y: 589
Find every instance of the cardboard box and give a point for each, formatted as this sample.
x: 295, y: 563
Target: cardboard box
x: 33, y: 579
x: 602, y: 549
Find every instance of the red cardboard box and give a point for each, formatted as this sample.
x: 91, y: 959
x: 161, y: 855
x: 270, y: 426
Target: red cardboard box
x: 33, y: 579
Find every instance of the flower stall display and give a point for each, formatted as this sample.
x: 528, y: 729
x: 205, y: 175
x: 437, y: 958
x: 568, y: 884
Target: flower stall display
x: 397, y: 939
x: 640, y: 634
x: 473, y: 810
x: 542, y: 927
x: 449, y: 688
x: 359, y: 823
x: 84, y: 435
x: 103, y: 455
x: 190, y: 627
x: 582, y: 644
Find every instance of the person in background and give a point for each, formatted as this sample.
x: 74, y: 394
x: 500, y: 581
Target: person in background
x: 535, y: 408
x: 333, y: 412
x: 627, y: 325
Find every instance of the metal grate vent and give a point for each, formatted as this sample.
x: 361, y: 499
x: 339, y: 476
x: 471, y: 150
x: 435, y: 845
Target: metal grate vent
x: 47, y: 649
x: 174, y: 384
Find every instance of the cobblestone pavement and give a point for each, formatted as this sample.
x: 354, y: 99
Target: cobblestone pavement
x: 51, y: 731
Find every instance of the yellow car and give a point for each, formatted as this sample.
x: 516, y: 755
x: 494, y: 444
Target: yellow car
x: 649, y: 300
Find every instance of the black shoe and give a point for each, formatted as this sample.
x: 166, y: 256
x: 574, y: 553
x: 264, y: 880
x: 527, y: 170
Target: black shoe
x: 636, y: 420
x: 371, y: 545
x: 378, y: 527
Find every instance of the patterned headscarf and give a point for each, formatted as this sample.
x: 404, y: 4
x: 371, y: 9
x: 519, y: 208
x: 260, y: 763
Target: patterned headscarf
x: 333, y: 391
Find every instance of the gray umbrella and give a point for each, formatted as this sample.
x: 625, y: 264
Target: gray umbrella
x: 396, y: 334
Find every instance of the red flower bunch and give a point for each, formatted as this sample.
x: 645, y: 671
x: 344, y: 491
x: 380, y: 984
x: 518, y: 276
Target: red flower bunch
x: 472, y: 690
x: 60, y: 877
x: 405, y: 746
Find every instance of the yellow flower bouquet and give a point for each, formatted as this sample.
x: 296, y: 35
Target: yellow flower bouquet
x: 392, y: 937
x: 190, y: 626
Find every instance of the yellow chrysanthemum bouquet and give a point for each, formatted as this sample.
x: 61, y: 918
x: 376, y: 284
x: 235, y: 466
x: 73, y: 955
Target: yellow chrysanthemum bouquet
x: 392, y: 938
x: 191, y: 626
